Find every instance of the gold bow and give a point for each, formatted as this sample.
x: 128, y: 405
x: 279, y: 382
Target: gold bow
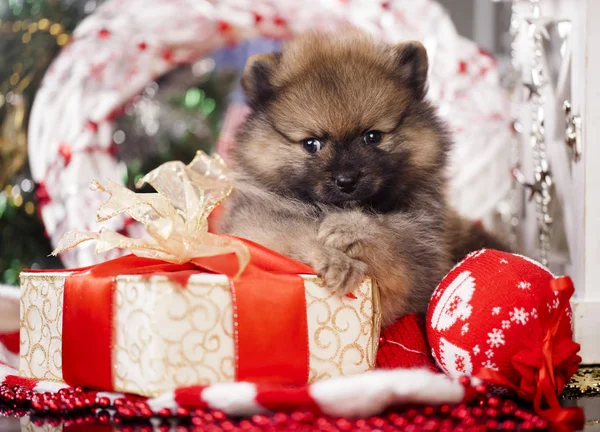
x: 175, y: 218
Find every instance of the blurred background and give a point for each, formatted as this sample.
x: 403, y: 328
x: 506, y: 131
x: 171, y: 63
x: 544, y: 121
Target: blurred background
x: 196, y: 103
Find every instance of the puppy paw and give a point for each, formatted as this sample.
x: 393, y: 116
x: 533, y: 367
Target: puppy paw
x: 349, y: 232
x: 341, y: 273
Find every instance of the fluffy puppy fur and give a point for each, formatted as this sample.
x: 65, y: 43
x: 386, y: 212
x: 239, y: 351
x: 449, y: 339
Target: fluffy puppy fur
x: 342, y: 165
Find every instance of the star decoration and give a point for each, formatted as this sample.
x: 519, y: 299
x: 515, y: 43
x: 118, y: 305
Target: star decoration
x: 539, y: 26
x: 534, y: 89
x: 542, y: 177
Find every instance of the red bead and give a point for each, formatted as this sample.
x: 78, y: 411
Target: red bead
x: 54, y: 422
x: 198, y: 421
x: 527, y: 425
x: 378, y: 422
x: 419, y: 419
x: 429, y: 410
x: 469, y: 421
x: 508, y: 425
x: 227, y: 426
x: 103, y: 402
x: 183, y: 412
x: 280, y: 419
x: 481, y: 389
x: 103, y: 416
x: 78, y: 389
x: 298, y: 416
x: 261, y: 420
x: 541, y: 423
x: 146, y: 412
x: 343, y: 424
x: 431, y: 425
x: 492, y: 412
x: 103, y: 34
x: 464, y: 380
x: 164, y: 412
x: 125, y: 412
x: 476, y: 412
x: 164, y: 427
x: 411, y: 413
x: 219, y: 415
x: 246, y: 425
x: 445, y: 409
x: 493, y: 401
x: 399, y: 422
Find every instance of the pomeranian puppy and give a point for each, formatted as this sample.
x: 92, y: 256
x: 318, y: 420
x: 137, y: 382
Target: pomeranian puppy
x: 341, y: 164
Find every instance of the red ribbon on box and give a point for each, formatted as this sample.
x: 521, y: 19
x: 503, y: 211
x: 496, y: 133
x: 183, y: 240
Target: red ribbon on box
x: 271, y: 331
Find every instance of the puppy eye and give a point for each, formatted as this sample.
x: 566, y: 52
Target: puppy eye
x: 312, y: 145
x: 373, y: 137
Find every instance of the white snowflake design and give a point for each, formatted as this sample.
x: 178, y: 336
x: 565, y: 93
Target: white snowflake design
x: 496, y: 338
x: 524, y: 285
x: 519, y: 316
x: 489, y: 353
x: 476, y: 349
x: 554, y: 305
x: 464, y: 329
x: 503, y: 261
x: 490, y: 365
x: 496, y: 310
x: 505, y: 324
x: 534, y: 313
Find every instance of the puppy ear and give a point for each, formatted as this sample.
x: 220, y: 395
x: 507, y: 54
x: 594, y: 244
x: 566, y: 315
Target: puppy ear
x: 412, y: 63
x: 256, y: 79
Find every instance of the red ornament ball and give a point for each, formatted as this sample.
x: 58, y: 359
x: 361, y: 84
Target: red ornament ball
x: 502, y: 317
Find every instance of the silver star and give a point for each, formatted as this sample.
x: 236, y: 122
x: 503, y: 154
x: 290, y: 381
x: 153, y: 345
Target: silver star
x: 537, y: 187
x: 539, y: 26
x: 533, y: 90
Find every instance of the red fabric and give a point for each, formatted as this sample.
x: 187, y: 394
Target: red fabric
x: 507, y: 320
x: 271, y: 329
x: 276, y: 398
x: 403, y: 344
x: 12, y: 380
x: 11, y: 341
x: 190, y: 397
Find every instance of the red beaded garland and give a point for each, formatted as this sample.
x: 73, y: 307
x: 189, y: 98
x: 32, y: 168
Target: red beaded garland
x: 482, y: 412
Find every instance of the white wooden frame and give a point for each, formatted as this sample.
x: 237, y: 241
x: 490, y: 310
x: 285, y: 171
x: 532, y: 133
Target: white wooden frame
x: 576, y: 182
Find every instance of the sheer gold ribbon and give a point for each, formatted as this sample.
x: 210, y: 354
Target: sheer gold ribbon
x: 175, y: 218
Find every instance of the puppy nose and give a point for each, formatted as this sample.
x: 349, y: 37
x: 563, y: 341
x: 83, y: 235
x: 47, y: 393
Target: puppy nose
x: 346, y: 182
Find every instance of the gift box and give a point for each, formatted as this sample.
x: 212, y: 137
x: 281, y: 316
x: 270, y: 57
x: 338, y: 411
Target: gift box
x: 189, y: 307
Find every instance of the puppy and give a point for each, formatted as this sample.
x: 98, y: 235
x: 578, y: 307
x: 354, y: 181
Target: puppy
x: 341, y: 164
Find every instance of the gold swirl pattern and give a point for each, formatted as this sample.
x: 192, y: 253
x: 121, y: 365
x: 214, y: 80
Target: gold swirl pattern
x: 41, y: 325
x: 167, y: 336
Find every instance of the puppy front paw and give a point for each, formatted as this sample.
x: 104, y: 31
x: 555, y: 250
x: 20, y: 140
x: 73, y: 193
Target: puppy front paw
x: 341, y: 273
x: 349, y: 232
